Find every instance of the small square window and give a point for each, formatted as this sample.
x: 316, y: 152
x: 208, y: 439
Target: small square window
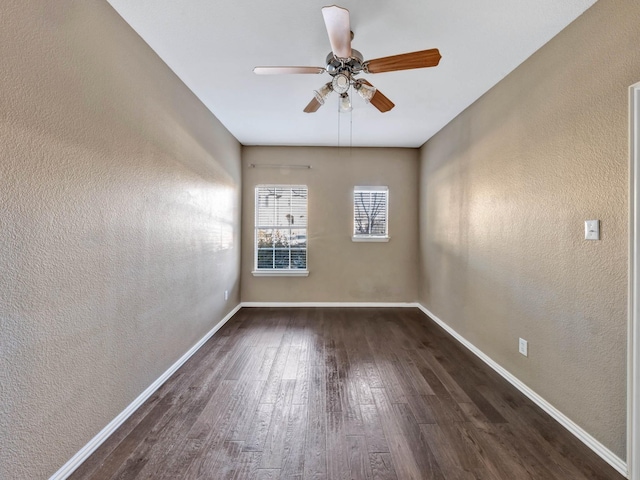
x: 370, y: 214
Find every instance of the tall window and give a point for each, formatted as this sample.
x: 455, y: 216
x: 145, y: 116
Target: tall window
x: 370, y: 213
x: 281, y: 228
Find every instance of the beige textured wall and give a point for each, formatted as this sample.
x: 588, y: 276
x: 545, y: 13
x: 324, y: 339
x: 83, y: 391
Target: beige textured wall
x: 119, y: 226
x: 505, y: 190
x: 340, y: 270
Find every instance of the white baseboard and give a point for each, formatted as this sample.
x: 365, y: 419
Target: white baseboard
x: 331, y: 304
x: 606, y: 454
x: 75, y: 461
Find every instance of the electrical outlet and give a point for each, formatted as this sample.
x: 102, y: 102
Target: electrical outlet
x: 523, y: 347
x: 226, y: 294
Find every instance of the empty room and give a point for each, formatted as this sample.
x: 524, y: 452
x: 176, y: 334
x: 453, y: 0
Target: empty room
x: 295, y: 240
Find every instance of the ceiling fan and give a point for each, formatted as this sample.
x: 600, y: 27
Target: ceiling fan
x: 344, y: 63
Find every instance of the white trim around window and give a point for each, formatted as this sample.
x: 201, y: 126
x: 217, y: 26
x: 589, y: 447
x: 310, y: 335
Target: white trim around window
x: 362, y: 238
x: 280, y: 273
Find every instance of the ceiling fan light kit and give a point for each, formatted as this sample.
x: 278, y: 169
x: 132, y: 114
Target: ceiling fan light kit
x: 343, y: 63
x: 341, y: 82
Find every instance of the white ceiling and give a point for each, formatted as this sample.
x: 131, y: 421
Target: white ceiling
x: 214, y: 45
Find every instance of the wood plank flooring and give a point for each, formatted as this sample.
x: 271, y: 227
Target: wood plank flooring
x: 337, y: 393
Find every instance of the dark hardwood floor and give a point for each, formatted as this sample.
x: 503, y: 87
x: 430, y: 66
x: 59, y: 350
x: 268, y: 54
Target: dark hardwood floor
x: 336, y: 393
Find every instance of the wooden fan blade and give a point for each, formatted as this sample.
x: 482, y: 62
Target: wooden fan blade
x: 287, y: 70
x: 380, y: 101
x: 405, y: 61
x: 336, y: 19
x: 313, y: 106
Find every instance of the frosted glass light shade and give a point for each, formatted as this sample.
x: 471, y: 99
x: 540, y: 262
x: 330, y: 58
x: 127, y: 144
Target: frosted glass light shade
x: 345, y: 103
x: 366, y: 91
x: 322, y: 93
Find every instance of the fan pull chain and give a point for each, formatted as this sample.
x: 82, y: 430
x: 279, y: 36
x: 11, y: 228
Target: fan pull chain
x: 351, y: 127
x: 339, y: 129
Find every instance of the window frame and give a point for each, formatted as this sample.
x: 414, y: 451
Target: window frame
x: 279, y: 272
x: 367, y: 237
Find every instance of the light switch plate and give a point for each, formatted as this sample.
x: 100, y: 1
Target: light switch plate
x: 592, y: 230
x: 523, y: 347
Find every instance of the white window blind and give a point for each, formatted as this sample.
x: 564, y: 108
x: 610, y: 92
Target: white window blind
x: 281, y: 227
x: 370, y: 212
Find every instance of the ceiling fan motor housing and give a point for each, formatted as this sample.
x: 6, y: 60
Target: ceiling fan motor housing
x: 352, y: 65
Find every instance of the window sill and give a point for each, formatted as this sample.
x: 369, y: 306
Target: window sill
x: 280, y: 273
x: 356, y: 238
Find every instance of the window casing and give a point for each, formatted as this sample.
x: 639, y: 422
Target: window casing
x: 370, y: 214
x: 281, y: 230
